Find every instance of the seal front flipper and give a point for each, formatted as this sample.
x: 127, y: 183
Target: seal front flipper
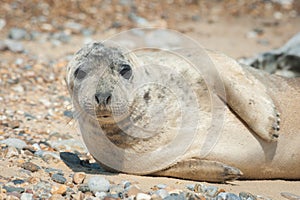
x: 248, y: 97
x: 201, y: 170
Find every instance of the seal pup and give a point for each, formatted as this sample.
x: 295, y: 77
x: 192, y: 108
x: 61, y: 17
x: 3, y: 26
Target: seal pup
x: 257, y: 108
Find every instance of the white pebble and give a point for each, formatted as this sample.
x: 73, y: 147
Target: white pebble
x: 98, y: 184
x: 142, y: 196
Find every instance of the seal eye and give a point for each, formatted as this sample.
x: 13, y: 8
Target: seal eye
x: 125, y: 71
x: 79, y: 74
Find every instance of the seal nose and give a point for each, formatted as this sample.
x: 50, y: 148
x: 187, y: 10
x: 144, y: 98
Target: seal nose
x: 103, y: 98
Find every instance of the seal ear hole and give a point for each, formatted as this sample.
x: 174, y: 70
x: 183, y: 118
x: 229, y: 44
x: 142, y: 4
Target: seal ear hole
x: 79, y: 74
x: 125, y: 71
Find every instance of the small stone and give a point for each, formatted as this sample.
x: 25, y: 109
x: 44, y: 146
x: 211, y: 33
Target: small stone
x: 246, y: 196
x: 290, y: 196
x: 11, y: 152
x: 79, y: 177
x: 14, y: 142
x: 30, y: 166
x: 18, y: 181
x: 142, y: 196
x: 133, y: 190
x: 26, y: 196
x: 13, y: 189
x: 211, y: 191
x: 68, y: 113
x: 84, y: 188
x: 17, y: 34
x: 14, y: 46
x: 3, y: 46
x: 162, y: 193
x: 59, y: 189
x: 78, y: 196
x: 73, y: 26
x: 98, y: 184
x: 126, y: 184
x: 100, y: 195
x: 2, y: 23
x: 56, y: 197
x: 190, y: 187
x: 175, y: 196
x: 59, y: 178
x: 227, y: 196
x: 161, y: 186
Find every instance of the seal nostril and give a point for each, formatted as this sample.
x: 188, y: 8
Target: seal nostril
x: 103, y: 98
x: 108, y: 99
x: 97, y: 99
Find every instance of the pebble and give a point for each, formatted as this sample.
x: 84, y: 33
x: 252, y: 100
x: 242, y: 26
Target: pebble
x: 100, y: 195
x: 26, y: 196
x: 68, y: 145
x: 162, y: 193
x: 14, y: 142
x: 133, y: 190
x: 56, y: 197
x: 13, y: 189
x: 98, y: 184
x: 30, y: 166
x: 59, y: 189
x: 18, y: 181
x: 59, y: 178
x: 84, y: 188
x: 161, y: 186
x: 211, y: 191
x: 68, y: 113
x: 246, y: 196
x: 227, y: 196
x: 2, y: 23
x: 142, y: 196
x: 17, y: 33
x: 73, y: 26
x: 79, y: 177
x: 11, y: 152
x: 14, y: 46
x: 290, y: 196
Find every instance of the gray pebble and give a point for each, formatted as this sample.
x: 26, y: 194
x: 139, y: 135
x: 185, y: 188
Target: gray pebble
x: 98, y: 184
x: 14, y: 142
x: 30, y: 166
x: 246, y: 196
x: 62, y: 37
x: 227, y: 196
x: 175, y: 196
x: 14, y: 46
x: 75, y: 27
x: 100, y: 195
x: 161, y: 186
x: 18, y: 181
x: 17, y: 33
x: 126, y: 184
x: 190, y: 187
x: 84, y: 188
x: 211, y: 191
x: 13, y: 189
x: 162, y: 193
x: 59, y: 178
x: 290, y: 196
x: 68, y: 113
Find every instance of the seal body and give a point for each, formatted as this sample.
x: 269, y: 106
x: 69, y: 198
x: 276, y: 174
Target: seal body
x: 151, y: 112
